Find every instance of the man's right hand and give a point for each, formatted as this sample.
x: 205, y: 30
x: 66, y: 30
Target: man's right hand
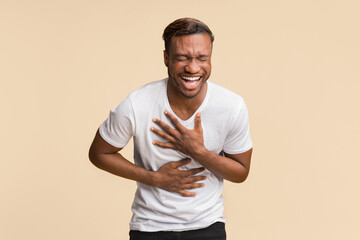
x: 170, y: 178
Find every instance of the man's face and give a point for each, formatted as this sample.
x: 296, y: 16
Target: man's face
x: 189, y: 63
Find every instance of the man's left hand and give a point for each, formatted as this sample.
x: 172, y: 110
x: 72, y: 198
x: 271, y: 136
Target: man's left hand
x: 187, y: 141
x: 232, y: 167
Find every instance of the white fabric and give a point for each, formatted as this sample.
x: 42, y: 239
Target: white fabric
x: 225, y: 126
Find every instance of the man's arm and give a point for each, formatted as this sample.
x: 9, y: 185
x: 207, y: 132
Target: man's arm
x: 232, y: 167
x: 168, y: 177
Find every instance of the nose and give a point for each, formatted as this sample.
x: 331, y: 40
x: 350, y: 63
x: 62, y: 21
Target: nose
x: 192, y: 67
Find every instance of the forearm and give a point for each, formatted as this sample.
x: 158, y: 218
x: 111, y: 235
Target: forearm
x: 222, y: 166
x: 168, y: 177
x: 116, y: 164
x: 232, y: 167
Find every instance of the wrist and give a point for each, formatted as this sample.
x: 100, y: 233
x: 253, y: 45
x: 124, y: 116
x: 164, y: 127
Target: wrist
x: 200, y: 153
x: 148, y: 177
x: 152, y: 179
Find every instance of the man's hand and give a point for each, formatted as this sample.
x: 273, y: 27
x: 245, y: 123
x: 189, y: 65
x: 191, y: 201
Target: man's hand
x: 169, y: 177
x: 232, y: 167
x: 187, y: 141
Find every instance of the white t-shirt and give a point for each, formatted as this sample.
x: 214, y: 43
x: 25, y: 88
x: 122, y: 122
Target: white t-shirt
x: 225, y: 124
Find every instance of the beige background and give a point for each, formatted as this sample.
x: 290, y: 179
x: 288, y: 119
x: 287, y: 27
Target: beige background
x: 64, y: 64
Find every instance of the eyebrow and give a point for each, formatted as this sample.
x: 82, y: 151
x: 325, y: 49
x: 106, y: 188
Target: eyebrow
x: 187, y: 56
x: 181, y: 55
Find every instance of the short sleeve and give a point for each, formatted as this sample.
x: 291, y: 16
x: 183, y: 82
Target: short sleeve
x: 119, y: 127
x: 238, y: 138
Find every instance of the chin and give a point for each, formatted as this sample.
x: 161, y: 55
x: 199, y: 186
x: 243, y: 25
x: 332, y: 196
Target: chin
x: 191, y: 94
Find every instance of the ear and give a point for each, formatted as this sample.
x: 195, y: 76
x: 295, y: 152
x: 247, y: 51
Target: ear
x: 166, y: 58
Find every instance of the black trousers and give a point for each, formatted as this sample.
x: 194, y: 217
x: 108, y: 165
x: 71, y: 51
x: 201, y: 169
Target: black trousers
x: 215, y: 231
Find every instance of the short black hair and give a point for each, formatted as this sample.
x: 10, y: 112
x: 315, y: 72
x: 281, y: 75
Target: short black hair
x: 185, y: 26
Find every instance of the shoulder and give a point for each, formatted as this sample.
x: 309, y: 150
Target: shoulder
x: 142, y: 96
x: 145, y: 98
x: 149, y: 89
x: 224, y: 97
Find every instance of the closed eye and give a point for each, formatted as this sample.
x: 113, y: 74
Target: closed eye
x: 203, y: 58
x: 181, y: 58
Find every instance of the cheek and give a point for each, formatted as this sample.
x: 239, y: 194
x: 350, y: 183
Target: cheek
x: 207, y: 68
x: 176, y: 68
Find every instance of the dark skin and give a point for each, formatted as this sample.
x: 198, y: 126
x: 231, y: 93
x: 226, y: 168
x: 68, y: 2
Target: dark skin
x: 232, y: 167
x: 190, y: 56
x: 168, y: 177
x: 189, y: 66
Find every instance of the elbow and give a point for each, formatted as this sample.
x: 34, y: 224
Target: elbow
x: 240, y: 178
x: 93, y: 157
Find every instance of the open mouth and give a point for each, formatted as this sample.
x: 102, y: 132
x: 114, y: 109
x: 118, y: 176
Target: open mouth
x: 190, y: 82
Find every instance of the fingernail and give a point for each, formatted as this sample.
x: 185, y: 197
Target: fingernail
x: 154, y: 119
x: 166, y: 112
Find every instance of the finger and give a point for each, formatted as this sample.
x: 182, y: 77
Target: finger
x: 187, y: 194
x: 197, y: 125
x: 189, y: 187
x: 192, y: 180
x: 164, y: 144
x: 193, y: 171
x: 175, y: 121
x: 193, y: 186
x: 165, y: 127
x: 182, y: 162
x: 162, y: 134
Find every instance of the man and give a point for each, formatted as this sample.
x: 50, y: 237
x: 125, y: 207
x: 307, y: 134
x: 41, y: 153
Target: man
x: 189, y: 134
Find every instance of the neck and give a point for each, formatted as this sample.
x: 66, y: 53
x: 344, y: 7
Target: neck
x: 185, y: 107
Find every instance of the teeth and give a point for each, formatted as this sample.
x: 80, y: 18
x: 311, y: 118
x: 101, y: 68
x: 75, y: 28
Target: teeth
x: 191, y: 78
